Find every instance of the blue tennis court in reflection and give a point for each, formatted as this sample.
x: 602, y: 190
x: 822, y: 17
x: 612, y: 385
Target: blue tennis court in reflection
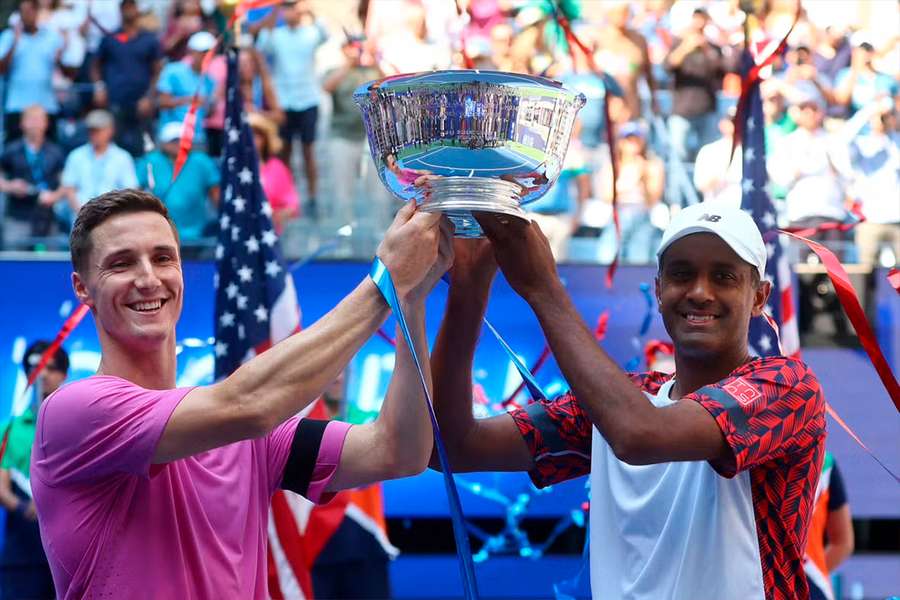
x: 451, y: 161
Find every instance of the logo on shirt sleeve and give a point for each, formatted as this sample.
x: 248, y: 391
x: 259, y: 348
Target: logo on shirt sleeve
x: 743, y: 392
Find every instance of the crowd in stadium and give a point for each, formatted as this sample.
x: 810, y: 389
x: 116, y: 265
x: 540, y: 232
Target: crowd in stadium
x: 95, y: 93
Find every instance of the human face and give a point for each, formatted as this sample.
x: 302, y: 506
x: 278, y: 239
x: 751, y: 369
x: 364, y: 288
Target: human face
x: 133, y: 282
x: 706, y: 296
x: 34, y: 122
x: 100, y: 137
x: 51, y: 378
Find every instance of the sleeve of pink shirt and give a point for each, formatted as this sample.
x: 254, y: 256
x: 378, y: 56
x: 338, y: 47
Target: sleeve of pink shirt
x: 98, y: 427
x: 327, y: 459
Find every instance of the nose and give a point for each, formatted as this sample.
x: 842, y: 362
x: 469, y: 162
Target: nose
x: 700, y: 290
x: 147, y: 278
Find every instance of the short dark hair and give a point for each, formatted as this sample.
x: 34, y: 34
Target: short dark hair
x: 33, y: 353
x: 106, y: 206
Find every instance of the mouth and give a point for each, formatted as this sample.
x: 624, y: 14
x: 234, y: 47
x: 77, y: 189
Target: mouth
x: 699, y: 318
x: 148, y: 306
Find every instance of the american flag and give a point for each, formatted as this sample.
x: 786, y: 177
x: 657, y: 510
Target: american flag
x: 764, y: 333
x: 256, y: 306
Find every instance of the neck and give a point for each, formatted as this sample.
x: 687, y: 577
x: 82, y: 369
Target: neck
x: 154, y: 370
x: 692, y: 373
x: 34, y: 140
x: 30, y: 28
x: 100, y: 148
x: 130, y: 28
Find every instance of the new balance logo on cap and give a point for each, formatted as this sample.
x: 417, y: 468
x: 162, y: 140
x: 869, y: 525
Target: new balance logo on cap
x: 710, y: 218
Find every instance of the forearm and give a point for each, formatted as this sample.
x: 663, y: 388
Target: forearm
x: 290, y: 375
x: 615, y: 406
x: 835, y: 554
x: 8, y: 499
x: 451, y: 363
x: 403, y: 427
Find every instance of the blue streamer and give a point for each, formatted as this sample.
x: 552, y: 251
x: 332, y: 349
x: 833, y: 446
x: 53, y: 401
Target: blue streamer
x: 382, y: 279
x: 530, y: 382
x: 635, y: 362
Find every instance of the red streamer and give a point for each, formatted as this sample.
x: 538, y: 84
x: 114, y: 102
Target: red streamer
x: 68, y: 326
x: 893, y: 278
x: 855, y: 313
x: 833, y: 414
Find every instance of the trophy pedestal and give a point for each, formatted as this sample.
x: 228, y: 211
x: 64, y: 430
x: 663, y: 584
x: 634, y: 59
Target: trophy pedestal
x: 459, y: 197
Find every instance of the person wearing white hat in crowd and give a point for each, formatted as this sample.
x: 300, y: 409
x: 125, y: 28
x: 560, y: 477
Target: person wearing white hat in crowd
x: 178, y: 82
x: 700, y: 480
x: 184, y: 197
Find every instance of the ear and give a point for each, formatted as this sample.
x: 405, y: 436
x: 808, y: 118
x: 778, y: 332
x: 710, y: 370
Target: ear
x: 81, y: 291
x: 761, y: 297
x: 656, y: 291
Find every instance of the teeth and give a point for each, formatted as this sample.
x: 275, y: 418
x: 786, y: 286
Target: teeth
x: 700, y: 318
x: 147, y: 305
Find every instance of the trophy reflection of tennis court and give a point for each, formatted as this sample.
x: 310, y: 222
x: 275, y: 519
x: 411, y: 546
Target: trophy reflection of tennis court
x: 450, y: 161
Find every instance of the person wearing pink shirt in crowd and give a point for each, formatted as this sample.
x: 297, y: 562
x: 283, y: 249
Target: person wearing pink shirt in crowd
x: 277, y: 181
x: 146, y: 490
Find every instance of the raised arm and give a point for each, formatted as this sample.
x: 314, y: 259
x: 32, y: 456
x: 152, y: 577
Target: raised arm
x: 493, y: 444
x: 398, y: 443
x: 282, y: 381
x: 638, y: 432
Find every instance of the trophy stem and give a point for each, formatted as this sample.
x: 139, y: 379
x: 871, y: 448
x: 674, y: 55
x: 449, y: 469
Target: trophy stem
x: 459, y: 197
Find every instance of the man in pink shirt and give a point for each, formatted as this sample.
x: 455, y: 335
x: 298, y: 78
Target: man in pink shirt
x: 144, y: 490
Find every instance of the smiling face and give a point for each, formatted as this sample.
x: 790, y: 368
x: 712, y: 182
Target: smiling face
x: 133, y: 282
x: 706, y: 296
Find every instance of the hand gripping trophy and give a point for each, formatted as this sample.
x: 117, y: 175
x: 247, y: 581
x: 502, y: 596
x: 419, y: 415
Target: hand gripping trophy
x: 464, y: 141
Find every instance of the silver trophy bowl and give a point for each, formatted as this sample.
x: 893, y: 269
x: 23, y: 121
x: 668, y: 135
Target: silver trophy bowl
x: 465, y: 141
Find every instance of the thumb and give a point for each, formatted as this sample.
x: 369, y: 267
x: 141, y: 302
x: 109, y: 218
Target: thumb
x: 405, y: 213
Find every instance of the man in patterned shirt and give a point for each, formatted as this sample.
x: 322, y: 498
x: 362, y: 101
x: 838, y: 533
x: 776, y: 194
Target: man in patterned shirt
x: 702, y: 482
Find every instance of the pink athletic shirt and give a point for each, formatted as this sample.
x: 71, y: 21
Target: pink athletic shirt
x: 115, y: 526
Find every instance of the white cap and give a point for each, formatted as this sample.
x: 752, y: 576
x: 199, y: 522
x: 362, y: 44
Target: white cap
x: 735, y: 226
x: 201, y: 41
x: 170, y: 132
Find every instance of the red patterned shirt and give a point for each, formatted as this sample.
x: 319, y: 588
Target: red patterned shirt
x: 772, y: 414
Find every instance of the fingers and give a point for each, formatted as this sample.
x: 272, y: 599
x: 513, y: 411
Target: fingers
x: 425, y: 220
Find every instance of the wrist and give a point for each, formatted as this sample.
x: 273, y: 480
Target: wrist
x: 21, y: 508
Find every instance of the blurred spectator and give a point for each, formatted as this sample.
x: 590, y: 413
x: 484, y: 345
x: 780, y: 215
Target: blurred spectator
x: 778, y: 124
x: 291, y: 48
x: 408, y: 49
x: 639, y: 187
x: 275, y: 177
x: 98, y: 18
x: 833, y: 52
x: 124, y: 74
x: 256, y: 86
x: 801, y: 76
x: 189, y: 197
x: 718, y: 174
x: 179, y: 81
x: 830, y: 540
x: 697, y: 67
x: 24, y: 571
x: 558, y: 212
x: 859, y: 84
x: 186, y: 19
x: 354, y: 173
x: 804, y: 162
x: 873, y: 152
x: 96, y: 167
x: 28, y: 56
x: 257, y: 90
x: 31, y: 169
x: 624, y: 55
